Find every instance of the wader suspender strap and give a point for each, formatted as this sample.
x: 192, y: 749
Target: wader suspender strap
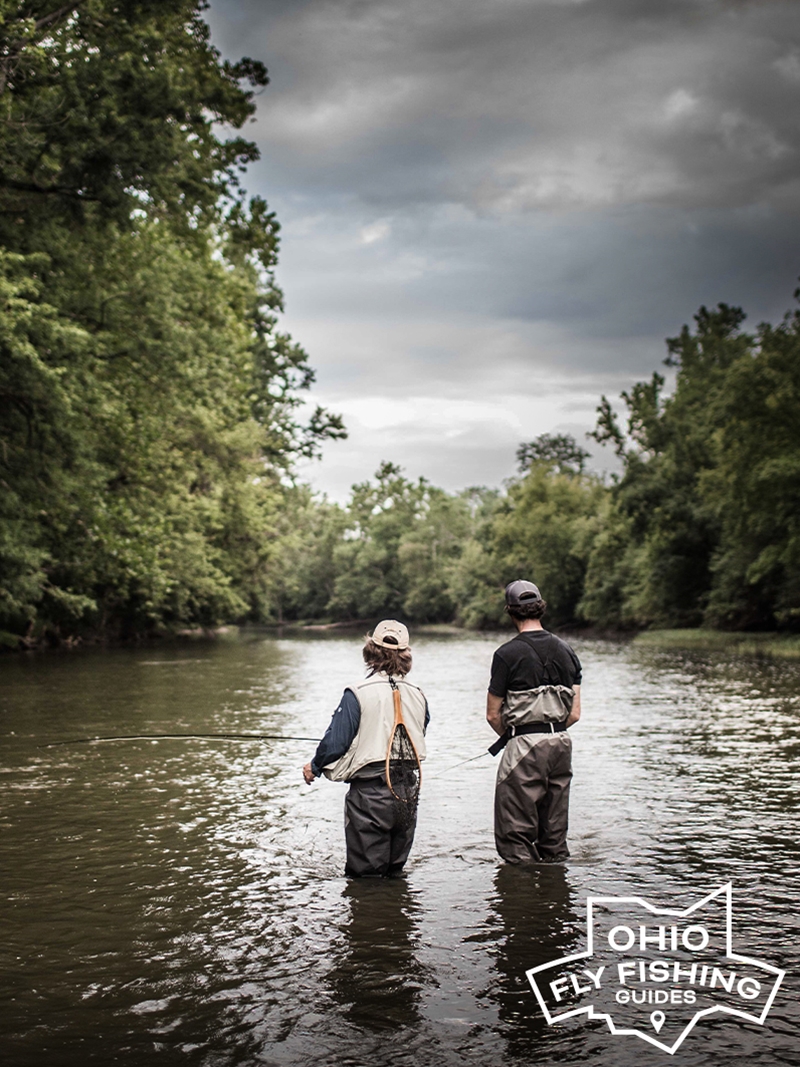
x: 546, y: 661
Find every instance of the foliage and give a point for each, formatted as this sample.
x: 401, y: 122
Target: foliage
x: 428, y: 556
x: 111, y: 105
x: 148, y: 400
x: 30, y: 395
x: 755, y: 486
x: 703, y: 523
x: 701, y: 528
x: 542, y: 531
x: 560, y: 450
x: 370, y: 578
x: 301, y: 579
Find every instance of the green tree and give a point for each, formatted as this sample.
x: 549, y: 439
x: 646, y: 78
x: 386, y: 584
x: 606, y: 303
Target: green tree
x: 34, y: 406
x: 702, y: 526
x: 370, y: 579
x: 149, y: 401
x: 543, y: 530
x: 113, y: 106
x: 475, y: 583
x: 560, y: 450
x: 427, y: 553
x: 302, y: 573
x: 755, y: 485
x: 133, y: 441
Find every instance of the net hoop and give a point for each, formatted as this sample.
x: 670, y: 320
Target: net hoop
x: 399, y: 721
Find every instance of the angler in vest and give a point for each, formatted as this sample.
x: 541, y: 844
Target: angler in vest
x: 365, y: 746
x: 534, y: 696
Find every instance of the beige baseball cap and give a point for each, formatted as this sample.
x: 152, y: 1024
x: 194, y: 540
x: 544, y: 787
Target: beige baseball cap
x: 390, y: 634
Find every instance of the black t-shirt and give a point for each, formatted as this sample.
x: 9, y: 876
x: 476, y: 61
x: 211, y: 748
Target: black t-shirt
x: 531, y: 659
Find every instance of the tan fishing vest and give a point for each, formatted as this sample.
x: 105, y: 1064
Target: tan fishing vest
x: 546, y: 703
x: 374, y: 696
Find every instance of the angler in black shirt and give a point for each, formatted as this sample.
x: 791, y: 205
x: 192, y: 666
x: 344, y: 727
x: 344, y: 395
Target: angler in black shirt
x: 534, y: 695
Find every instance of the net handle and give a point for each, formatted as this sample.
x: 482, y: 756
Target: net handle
x: 399, y: 721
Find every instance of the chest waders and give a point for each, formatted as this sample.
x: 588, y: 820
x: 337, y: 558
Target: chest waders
x: 531, y: 801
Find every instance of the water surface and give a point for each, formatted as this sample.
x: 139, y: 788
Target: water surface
x: 179, y: 902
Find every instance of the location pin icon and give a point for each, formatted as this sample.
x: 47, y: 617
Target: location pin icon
x: 657, y: 1019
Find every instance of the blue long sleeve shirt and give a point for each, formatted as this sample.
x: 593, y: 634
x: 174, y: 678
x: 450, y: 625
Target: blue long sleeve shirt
x: 342, y: 730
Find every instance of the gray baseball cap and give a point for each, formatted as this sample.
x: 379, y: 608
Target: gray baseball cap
x: 521, y: 592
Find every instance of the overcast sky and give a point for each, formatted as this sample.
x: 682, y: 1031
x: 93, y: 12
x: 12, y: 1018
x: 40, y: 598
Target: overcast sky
x: 494, y: 211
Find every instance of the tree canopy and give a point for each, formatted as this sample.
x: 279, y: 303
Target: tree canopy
x: 702, y: 525
x: 148, y: 400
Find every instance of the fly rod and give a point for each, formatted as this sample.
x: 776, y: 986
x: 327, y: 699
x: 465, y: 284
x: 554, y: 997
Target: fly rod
x: 172, y: 737
x: 447, y: 770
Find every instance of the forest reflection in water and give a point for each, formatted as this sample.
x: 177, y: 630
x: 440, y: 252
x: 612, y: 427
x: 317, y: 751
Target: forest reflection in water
x: 180, y: 902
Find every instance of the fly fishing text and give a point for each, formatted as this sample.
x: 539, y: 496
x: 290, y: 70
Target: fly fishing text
x: 665, y: 938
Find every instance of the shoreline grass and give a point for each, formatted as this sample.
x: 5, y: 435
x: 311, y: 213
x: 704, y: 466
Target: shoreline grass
x: 777, y: 645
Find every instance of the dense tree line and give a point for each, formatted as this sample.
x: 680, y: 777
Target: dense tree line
x: 149, y: 401
x: 147, y: 398
x: 702, y: 526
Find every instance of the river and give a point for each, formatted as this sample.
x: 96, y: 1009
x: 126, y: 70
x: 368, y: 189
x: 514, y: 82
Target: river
x: 183, y: 902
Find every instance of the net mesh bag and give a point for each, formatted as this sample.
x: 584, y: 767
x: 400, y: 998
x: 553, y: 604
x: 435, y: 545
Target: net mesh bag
x: 403, y: 770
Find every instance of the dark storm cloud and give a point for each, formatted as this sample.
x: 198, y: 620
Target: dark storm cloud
x: 602, y: 272
x: 515, y: 105
x: 516, y: 199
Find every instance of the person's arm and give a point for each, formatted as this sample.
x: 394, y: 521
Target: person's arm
x: 498, y: 684
x: 338, y: 737
x: 575, y: 714
x: 493, y: 716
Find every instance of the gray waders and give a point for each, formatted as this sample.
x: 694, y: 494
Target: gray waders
x: 378, y: 841
x: 531, y: 800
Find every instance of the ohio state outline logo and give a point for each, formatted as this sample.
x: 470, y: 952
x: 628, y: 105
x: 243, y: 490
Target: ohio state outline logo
x: 654, y: 973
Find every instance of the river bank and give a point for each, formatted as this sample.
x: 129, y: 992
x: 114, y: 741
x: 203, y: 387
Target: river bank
x: 773, y: 645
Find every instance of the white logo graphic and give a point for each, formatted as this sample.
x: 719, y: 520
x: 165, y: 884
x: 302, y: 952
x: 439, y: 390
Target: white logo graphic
x: 656, y: 979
